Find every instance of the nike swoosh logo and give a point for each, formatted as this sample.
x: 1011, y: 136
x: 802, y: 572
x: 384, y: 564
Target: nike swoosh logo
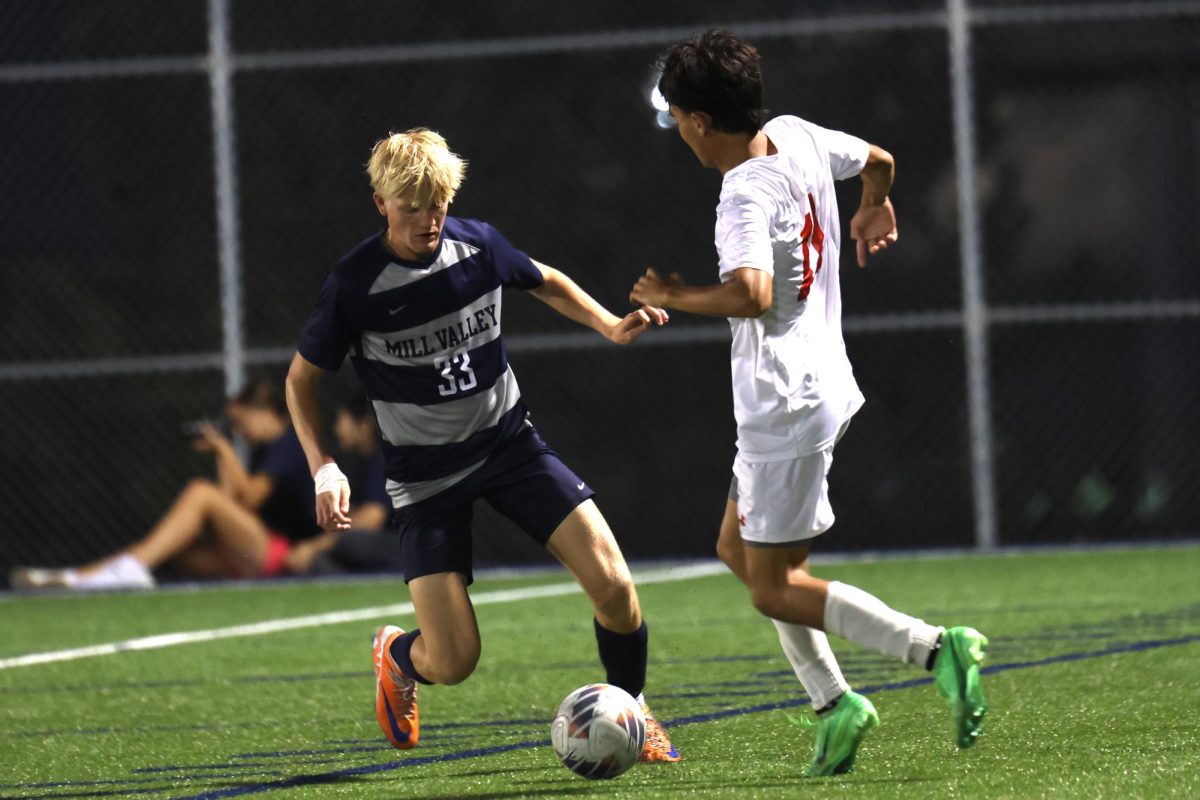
x: 399, y: 734
x: 397, y: 309
x: 579, y: 486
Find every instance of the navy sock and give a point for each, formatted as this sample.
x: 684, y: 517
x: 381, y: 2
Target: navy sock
x: 929, y: 662
x: 401, y: 651
x: 830, y: 706
x: 624, y: 657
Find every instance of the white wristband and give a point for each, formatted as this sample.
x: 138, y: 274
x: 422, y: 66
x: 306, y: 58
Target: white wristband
x: 329, y: 478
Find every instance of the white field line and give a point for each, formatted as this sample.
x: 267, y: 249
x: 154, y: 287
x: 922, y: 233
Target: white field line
x: 666, y: 575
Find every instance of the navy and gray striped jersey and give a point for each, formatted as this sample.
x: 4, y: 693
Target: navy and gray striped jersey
x: 424, y: 338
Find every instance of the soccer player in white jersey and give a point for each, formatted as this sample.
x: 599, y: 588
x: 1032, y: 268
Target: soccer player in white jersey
x: 417, y: 308
x: 777, y: 238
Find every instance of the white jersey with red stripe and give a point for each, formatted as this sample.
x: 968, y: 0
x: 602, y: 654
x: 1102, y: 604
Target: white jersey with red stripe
x: 793, y: 386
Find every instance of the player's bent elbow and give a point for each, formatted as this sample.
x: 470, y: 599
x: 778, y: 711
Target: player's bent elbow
x: 758, y: 296
x: 754, y: 306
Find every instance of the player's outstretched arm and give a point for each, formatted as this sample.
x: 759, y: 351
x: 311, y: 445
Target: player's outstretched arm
x: 331, y: 487
x: 567, y: 298
x: 873, y: 227
x: 747, y: 293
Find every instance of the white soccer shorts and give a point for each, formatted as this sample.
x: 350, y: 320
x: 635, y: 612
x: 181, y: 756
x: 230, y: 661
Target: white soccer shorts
x: 782, y: 503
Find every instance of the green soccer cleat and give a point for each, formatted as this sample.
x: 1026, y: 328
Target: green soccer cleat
x: 839, y: 734
x: 956, y: 672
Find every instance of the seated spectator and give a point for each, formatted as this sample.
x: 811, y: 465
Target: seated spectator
x: 246, y: 524
x: 365, y: 548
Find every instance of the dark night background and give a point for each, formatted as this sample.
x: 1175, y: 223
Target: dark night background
x: 1088, y: 136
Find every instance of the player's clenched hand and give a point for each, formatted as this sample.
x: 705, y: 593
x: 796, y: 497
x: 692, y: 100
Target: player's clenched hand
x: 873, y: 228
x: 333, y: 509
x: 651, y: 289
x: 638, y: 322
x: 333, y: 498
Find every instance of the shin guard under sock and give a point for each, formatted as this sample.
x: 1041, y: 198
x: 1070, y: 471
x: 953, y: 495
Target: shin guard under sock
x: 624, y: 657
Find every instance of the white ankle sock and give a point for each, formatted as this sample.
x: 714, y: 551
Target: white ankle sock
x: 122, y: 572
x: 865, y: 619
x: 812, y: 658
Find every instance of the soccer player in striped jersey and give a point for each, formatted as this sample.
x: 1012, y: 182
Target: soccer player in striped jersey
x: 417, y: 307
x: 777, y: 236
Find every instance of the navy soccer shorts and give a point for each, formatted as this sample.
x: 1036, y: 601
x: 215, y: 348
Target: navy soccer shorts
x: 524, y: 480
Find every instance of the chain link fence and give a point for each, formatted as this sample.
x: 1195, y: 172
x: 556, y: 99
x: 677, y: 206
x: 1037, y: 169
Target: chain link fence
x: 181, y: 176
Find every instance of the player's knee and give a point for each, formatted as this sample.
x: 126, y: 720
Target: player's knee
x: 616, y: 599
x: 768, y: 600
x: 728, y: 553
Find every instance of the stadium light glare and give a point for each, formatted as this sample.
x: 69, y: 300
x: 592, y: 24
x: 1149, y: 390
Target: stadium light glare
x: 662, y: 109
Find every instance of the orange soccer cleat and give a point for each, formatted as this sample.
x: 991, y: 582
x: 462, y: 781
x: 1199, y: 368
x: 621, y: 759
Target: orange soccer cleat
x: 658, y: 745
x: 395, y: 694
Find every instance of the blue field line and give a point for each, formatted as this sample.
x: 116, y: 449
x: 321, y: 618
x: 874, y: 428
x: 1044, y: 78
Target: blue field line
x: 330, y: 777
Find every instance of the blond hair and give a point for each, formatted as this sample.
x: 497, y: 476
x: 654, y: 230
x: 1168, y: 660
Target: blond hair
x: 416, y: 164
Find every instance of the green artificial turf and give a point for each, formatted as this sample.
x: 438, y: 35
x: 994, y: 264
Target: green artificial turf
x: 1091, y: 684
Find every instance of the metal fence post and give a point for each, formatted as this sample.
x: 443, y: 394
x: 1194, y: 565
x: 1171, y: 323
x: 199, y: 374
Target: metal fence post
x: 220, y: 76
x: 975, y: 321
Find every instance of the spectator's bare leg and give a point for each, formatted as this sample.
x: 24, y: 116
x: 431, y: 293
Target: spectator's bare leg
x: 239, y: 535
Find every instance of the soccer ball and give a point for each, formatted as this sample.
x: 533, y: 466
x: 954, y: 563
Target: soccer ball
x: 599, y: 731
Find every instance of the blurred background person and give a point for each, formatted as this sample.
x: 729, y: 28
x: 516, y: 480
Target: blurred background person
x: 245, y: 524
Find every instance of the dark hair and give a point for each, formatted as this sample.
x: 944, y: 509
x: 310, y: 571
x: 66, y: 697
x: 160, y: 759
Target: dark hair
x: 718, y: 73
x: 262, y: 393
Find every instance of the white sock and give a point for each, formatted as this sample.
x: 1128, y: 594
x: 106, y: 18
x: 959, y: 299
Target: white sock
x: 134, y: 571
x: 122, y: 572
x: 812, y: 658
x: 865, y: 619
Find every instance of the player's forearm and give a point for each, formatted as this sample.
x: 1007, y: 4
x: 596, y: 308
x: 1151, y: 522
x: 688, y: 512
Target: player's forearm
x: 300, y: 390
x: 567, y: 298
x: 730, y: 299
x: 877, y: 176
